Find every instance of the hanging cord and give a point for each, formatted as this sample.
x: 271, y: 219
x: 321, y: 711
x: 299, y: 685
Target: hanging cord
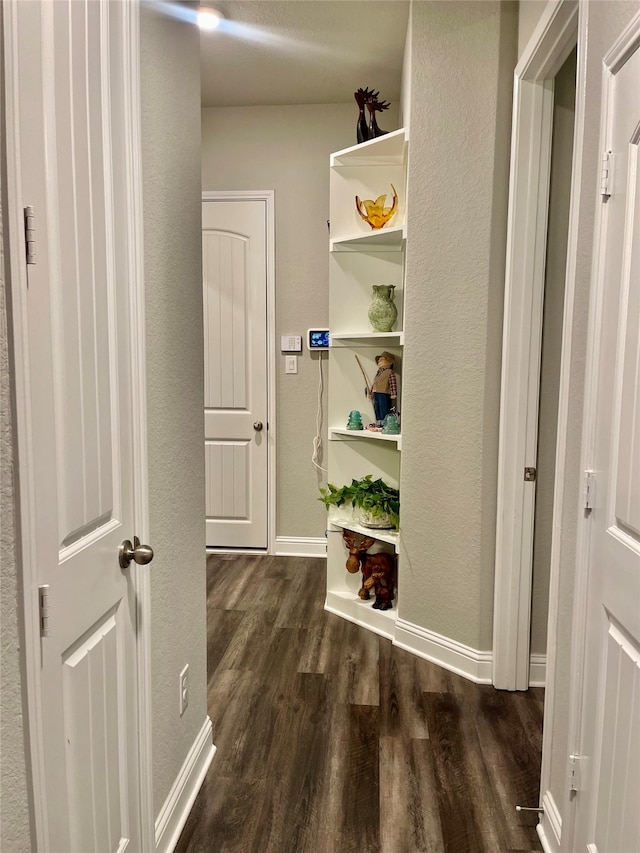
x: 317, y: 441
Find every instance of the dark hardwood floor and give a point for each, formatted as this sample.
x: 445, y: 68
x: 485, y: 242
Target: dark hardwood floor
x: 330, y: 740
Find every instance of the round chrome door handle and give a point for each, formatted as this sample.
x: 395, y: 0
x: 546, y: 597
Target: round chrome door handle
x: 141, y: 554
x: 257, y: 425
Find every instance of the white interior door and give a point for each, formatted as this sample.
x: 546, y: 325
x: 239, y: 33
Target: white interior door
x: 234, y: 263
x: 69, y: 64
x: 607, y: 817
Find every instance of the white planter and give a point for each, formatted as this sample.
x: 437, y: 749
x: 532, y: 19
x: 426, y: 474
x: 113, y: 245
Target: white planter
x: 379, y: 522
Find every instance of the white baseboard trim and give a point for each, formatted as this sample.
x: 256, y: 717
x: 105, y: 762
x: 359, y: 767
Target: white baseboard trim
x: 175, y: 811
x: 256, y: 552
x: 550, y: 827
x: 475, y: 665
x: 354, y: 609
x: 301, y: 546
x: 450, y: 654
x: 537, y: 670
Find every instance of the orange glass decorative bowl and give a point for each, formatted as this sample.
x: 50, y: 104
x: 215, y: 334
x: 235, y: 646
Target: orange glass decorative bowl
x: 374, y: 212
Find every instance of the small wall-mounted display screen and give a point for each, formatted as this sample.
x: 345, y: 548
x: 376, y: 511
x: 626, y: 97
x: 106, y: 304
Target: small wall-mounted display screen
x: 318, y: 338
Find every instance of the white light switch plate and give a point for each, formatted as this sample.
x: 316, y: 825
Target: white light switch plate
x: 291, y: 364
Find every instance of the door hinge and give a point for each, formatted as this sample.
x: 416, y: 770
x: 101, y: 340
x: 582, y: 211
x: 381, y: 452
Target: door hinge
x: 575, y: 773
x: 43, y: 604
x: 530, y: 475
x: 605, y: 175
x: 589, y: 489
x: 30, y: 234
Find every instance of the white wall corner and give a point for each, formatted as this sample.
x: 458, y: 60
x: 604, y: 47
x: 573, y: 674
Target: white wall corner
x: 550, y: 827
x: 537, y: 670
x: 301, y: 546
x: 456, y: 657
x: 175, y: 811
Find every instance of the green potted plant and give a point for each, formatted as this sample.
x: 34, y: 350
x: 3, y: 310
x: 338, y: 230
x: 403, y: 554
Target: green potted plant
x: 379, y: 503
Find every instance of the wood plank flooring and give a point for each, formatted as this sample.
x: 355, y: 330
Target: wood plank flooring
x: 331, y: 740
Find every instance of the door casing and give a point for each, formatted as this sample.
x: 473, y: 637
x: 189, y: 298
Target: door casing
x: 27, y: 531
x: 533, y: 101
x: 268, y: 196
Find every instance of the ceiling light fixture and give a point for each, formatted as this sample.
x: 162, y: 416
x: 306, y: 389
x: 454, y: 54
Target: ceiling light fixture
x: 209, y: 19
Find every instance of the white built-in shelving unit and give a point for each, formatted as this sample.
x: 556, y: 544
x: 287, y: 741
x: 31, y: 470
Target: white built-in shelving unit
x: 360, y: 258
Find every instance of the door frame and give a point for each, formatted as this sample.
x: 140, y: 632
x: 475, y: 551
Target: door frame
x: 533, y: 100
x: 268, y: 196
x: 25, y: 491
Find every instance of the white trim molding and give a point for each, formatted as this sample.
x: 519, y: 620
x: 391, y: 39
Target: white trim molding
x: 537, y: 670
x: 533, y: 102
x: 300, y: 546
x: 137, y: 342
x: 269, y: 197
x: 561, y: 496
x: 256, y: 552
x: 450, y: 654
x: 454, y: 656
x: 175, y: 811
x: 549, y: 828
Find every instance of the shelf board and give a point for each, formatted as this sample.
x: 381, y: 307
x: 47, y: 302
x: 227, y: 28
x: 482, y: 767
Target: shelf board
x: 354, y: 609
x: 384, y: 240
x: 382, y: 151
x: 347, y: 522
x: 367, y: 338
x: 339, y: 434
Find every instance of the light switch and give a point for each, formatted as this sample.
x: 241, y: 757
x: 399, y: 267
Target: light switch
x: 291, y: 364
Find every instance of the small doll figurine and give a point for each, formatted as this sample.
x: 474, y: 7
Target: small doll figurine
x: 384, y: 391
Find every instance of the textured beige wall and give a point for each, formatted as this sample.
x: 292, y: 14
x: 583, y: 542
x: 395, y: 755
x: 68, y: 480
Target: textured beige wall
x: 287, y: 149
x: 15, y: 836
x: 607, y: 20
x: 463, y: 56
x: 173, y: 275
x: 560, y: 192
x: 529, y: 13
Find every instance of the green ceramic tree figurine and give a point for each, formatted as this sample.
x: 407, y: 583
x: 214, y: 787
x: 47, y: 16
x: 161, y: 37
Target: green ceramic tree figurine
x: 355, y: 420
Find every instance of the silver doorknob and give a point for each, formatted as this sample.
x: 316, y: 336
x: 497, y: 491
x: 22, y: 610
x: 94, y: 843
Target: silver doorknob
x: 141, y: 554
x: 257, y: 425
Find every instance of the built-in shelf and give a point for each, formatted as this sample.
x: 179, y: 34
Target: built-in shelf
x: 367, y: 338
x: 384, y: 151
x: 384, y: 240
x: 354, y: 609
x: 338, y: 434
x: 348, y: 522
x: 361, y: 257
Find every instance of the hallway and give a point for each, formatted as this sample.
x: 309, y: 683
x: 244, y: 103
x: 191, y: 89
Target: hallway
x: 331, y: 740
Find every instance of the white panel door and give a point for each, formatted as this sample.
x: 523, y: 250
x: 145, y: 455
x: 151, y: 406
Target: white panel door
x: 607, y: 816
x: 70, y: 63
x: 234, y: 263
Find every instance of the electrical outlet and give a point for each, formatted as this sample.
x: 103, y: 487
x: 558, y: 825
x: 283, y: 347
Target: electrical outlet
x: 184, y: 689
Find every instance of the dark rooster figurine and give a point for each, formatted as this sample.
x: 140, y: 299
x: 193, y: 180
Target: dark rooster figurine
x: 363, y: 96
x: 375, y: 106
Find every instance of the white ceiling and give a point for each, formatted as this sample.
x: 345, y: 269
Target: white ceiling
x: 302, y: 51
